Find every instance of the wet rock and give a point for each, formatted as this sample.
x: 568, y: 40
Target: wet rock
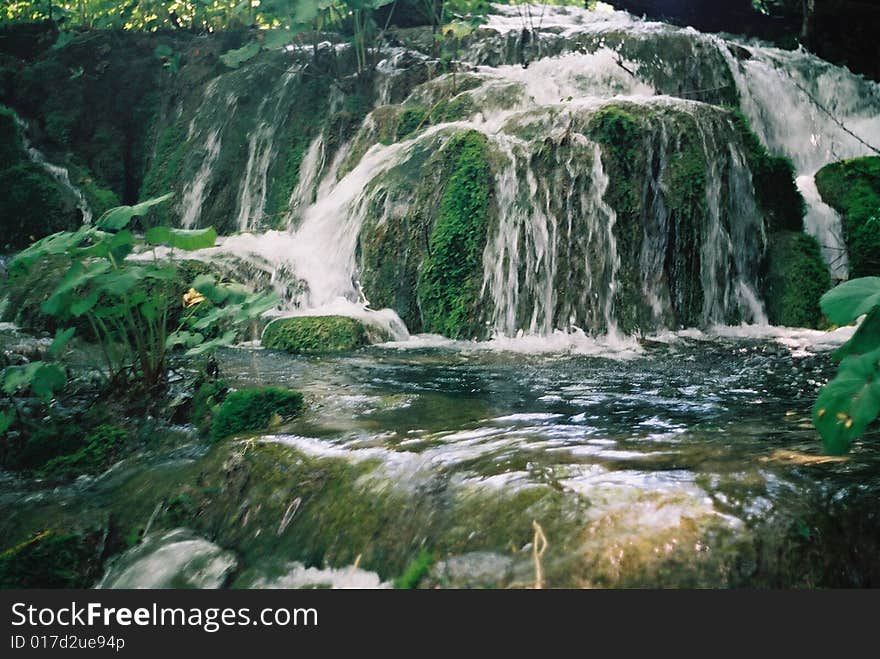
x: 478, y: 569
x: 311, y: 335
x: 177, y: 559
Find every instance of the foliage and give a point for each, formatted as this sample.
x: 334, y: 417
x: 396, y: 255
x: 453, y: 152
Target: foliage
x: 254, y: 409
x: 848, y: 404
x: 415, y: 571
x: 796, y: 278
x: 99, y: 450
x: 50, y: 559
x: 206, y: 401
x: 451, y: 276
x: 311, y: 335
x: 130, y: 303
x: 852, y: 187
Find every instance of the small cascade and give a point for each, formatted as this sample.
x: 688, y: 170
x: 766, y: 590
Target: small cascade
x: 194, y: 191
x: 583, y: 233
x: 309, y: 175
x: 57, y: 172
x: 815, y: 113
x: 824, y: 223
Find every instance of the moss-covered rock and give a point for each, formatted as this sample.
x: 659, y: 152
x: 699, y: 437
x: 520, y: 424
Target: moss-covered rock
x: 852, y: 187
x: 249, y: 410
x: 452, y: 274
x: 32, y: 203
x: 51, y: 559
x: 99, y: 450
x: 774, y: 179
x: 314, y: 335
x: 796, y: 278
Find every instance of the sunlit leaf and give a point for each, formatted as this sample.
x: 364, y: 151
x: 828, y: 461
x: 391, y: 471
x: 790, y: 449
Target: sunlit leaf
x: 235, y: 58
x: 187, y: 240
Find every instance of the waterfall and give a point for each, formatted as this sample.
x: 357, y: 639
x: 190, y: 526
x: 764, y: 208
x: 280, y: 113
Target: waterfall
x: 815, y: 113
x: 57, y: 172
x: 194, y: 191
x: 565, y: 249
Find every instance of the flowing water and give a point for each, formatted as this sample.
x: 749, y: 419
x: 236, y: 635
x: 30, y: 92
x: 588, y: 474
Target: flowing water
x: 57, y: 172
x: 683, y: 459
x: 552, y: 262
x: 687, y: 460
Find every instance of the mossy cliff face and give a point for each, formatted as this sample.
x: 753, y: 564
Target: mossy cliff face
x: 90, y: 104
x: 852, y: 188
x: 426, y: 261
x: 231, y: 146
x: 32, y: 203
x: 685, y: 181
x: 796, y: 278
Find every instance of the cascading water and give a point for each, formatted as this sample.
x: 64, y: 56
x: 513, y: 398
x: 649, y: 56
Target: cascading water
x: 558, y: 254
x: 58, y: 173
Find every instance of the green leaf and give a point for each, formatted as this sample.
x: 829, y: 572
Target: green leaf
x: 866, y: 338
x: 6, y: 419
x: 17, y: 377
x: 119, y: 217
x: 207, y: 286
x: 187, y: 240
x: 48, y: 379
x: 62, y: 337
x: 84, y: 305
x: 845, y: 303
x: 235, y: 58
x: 182, y: 338
x: 227, y: 339
x: 849, y: 403
x: 42, y: 378
x: 120, y: 282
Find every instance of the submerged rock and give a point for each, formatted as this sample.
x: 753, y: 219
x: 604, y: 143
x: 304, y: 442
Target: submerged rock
x: 254, y: 409
x: 176, y: 559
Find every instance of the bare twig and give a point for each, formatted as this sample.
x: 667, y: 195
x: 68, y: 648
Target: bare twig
x: 538, y: 553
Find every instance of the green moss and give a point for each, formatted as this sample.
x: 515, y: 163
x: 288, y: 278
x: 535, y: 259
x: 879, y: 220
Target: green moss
x: 796, y: 279
x: 206, y: 401
x: 311, y: 335
x: 410, y: 120
x: 249, y: 410
x: 51, y: 559
x: 415, y: 571
x: 774, y: 180
x: 32, y: 203
x: 684, y: 184
x: 451, y: 276
x: 458, y: 108
x: 166, y: 167
x: 100, y: 449
x: 852, y: 187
